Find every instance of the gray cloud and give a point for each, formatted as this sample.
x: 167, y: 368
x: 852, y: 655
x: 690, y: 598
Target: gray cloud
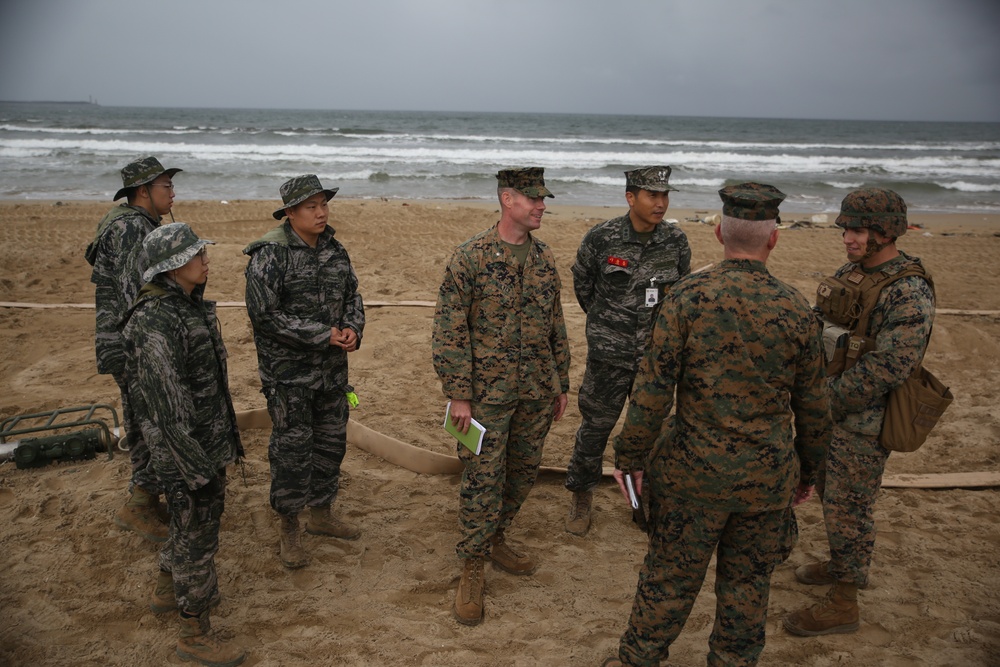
x: 867, y: 59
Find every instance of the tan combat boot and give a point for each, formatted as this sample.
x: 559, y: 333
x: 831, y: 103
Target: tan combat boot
x: 322, y: 522
x: 508, y: 560
x: 139, y: 515
x: 818, y: 574
x: 837, y: 614
x: 468, y: 608
x: 194, y: 642
x: 578, y: 519
x: 290, y: 552
x: 164, y: 598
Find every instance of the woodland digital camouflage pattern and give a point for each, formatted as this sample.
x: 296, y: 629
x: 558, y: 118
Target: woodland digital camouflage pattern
x: 496, y: 482
x: 182, y: 388
x: 528, y: 181
x: 875, y: 208
x: 500, y: 341
x: 297, y: 190
x: 294, y: 295
x: 742, y: 349
x: 751, y: 201
x: 653, y: 179
x: 118, y: 258
x: 901, y: 325
x: 612, y: 272
x: 499, y: 334
x: 141, y: 172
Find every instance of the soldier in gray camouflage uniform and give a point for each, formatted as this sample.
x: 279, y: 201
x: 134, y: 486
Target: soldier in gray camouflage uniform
x: 307, y: 314
x: 117, y: 257
x: 744, y: 353
x: 623, y: 268
x: 900, y: 324
x: 501, y: 351
x: 173, y: 341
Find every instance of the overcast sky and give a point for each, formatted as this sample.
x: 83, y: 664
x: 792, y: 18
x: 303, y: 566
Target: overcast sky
x: 849, y: 59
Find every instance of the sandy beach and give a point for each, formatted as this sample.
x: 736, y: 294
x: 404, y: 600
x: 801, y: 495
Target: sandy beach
x: 74, y: 588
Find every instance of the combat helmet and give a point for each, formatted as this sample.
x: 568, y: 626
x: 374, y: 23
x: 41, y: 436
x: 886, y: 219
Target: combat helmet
x: 874, y: 208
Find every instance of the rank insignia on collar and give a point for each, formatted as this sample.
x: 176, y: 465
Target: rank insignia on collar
x: 618, y: 261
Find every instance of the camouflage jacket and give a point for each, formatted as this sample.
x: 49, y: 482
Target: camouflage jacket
x: 613, y: 269
x: 901, y: 325
x: 499, y: 334
x: 183, y: 403
x: 744, y: 352
x: 118, y: 259
x: 294, y: 295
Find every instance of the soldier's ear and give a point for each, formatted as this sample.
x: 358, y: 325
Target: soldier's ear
x: 718, y: 233
x: 630, y: 198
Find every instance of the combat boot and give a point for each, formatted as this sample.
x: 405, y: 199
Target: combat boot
x: 578, y: 519
x: 290, y: 552
x: 322, y: 522
x: 507, y: 559
x: 164, y: 598
x: 837, y: 614
x: 468, y: 609
x: 194, y: 642
x: 818, y: 574
x: 138, y: 514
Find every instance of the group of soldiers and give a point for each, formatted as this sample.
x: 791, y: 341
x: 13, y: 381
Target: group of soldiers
x: 733, y: 418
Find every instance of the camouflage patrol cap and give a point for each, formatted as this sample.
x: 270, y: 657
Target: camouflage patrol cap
x: 875, y: 208
x: 297, y: 190
x: 526, y: 180
x: 653, y: 179
x: 170, y: 247
x: 140, y: 172
x: 751, y: 201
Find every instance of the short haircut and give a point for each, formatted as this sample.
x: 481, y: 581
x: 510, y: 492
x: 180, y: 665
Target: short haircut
x: 634, y: 189
x: 502, y: 189
x: 748, y: 236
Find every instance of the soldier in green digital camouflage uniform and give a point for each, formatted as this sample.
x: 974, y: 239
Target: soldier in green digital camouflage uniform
x: 743, y: 352
x: 181, y: 390
x: 307, y: 314
x: 118, y: 260
x: 501, y: 351
x: 900, y: 324
x: 623, y: 268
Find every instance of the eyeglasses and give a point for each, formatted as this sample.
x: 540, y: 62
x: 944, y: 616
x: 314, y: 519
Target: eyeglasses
x: 168, y: 186
x: 202, y: 254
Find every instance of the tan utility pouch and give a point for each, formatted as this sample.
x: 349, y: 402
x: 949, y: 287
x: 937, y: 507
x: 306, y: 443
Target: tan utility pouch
x: 839, y: 299
x: 912, y: 410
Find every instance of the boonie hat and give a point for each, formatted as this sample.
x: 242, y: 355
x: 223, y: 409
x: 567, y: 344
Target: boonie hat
x: 298, y: 189
x: 526, y: 180
x: 751, y: 201
x: 875, y: 208
x: 653, y: 179
x: 140, y: 172
x: 170, y: 247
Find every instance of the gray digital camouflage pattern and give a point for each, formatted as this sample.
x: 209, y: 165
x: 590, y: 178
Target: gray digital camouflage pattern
x: 140, y: 172
x: 297, y: 190
x: 173, y: 246
x: 654, y: 179
x: 500, y: 341
x: 118, y: 258
x: 852, y: 476
x: 182, y: 388
x: 294, y: 295
x: 744, y: 353
x: 611, y: 276
x: 528, y: 181
x: 875, y: 208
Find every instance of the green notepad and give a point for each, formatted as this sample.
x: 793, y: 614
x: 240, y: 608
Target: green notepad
x: 473, y: 440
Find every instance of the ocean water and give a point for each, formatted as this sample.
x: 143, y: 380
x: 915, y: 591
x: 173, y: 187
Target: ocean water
x: 75, y: 151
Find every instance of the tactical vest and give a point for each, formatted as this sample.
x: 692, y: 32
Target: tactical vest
x: 847, y: 302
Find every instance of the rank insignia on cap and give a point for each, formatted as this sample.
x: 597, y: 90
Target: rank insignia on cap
x: 618, y: 261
